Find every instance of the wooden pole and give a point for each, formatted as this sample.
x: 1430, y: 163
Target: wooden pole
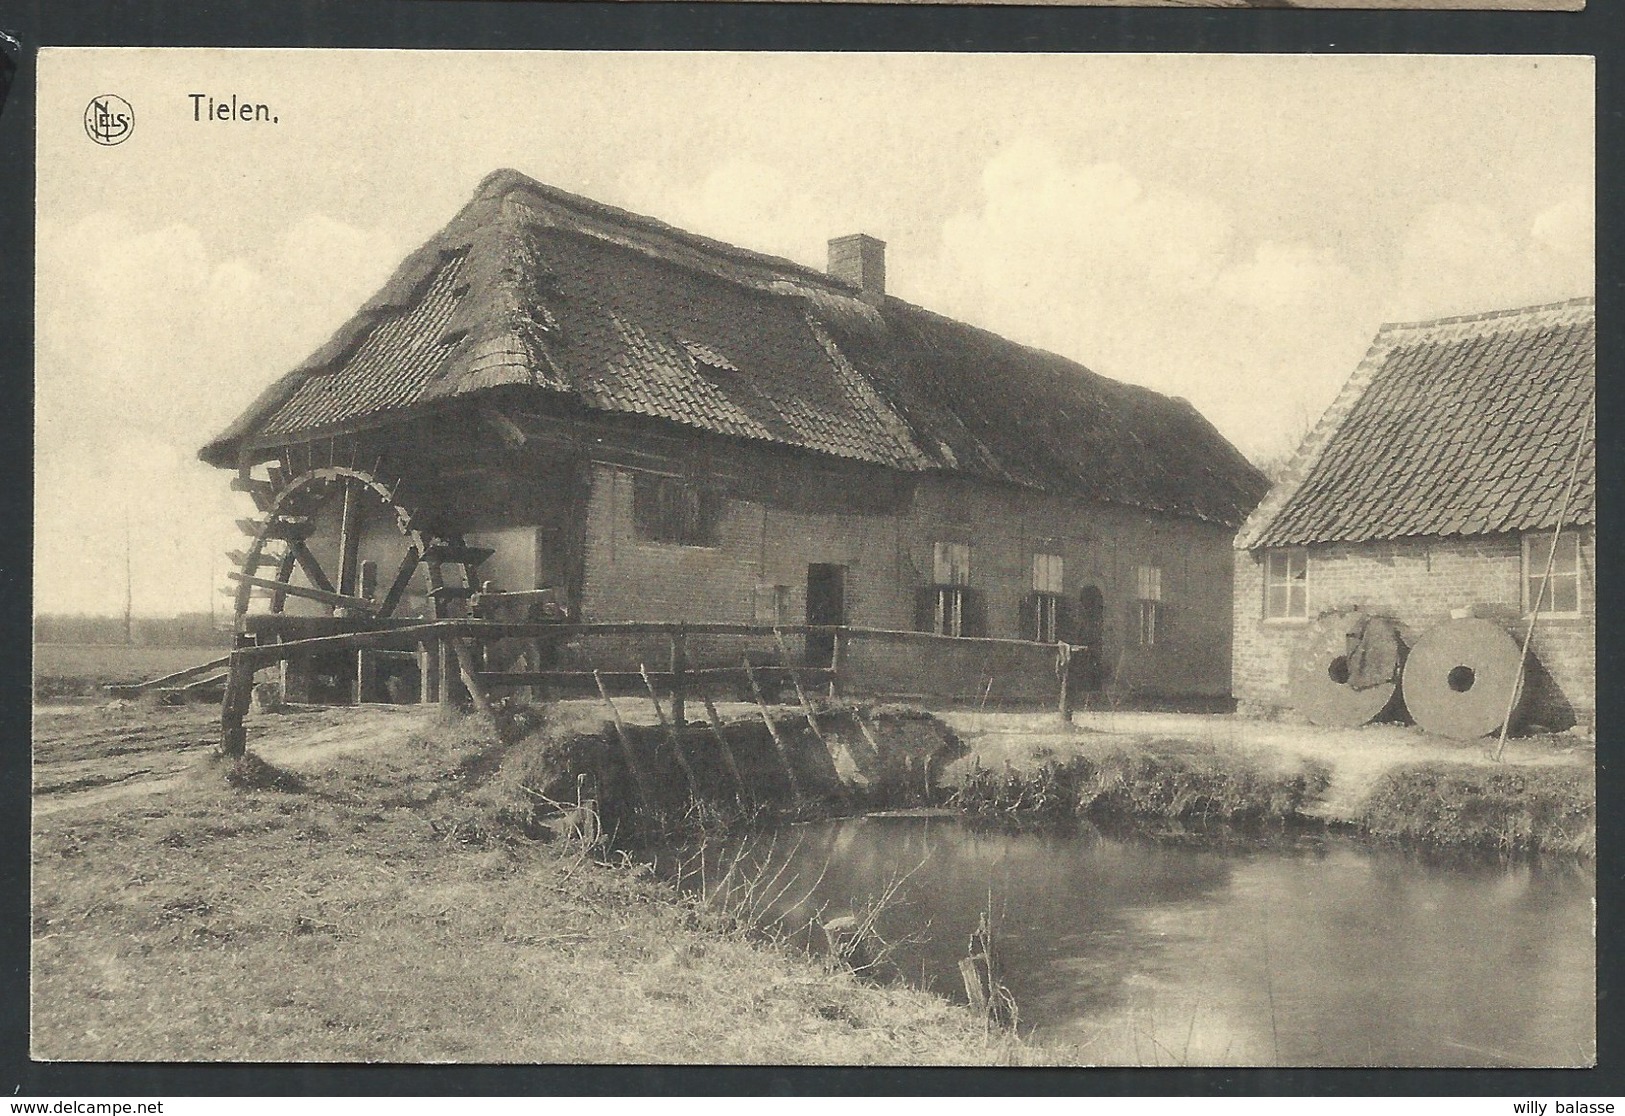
x: 349, y: 540
x: 837, y: 656
x: 679, y: 664
x: 470, y: 673
x: 728, y: 757
x: 773, y: 731
x: 1545, y: 579
x: 627, y: 750
x: 673, y: 735
x: 801, y: 695
x: 428, y: 671
x: 239, y: 694
x: 1063, y: 668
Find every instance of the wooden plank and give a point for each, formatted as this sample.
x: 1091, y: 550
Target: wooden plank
x: 239, y: 558
x: 212, y: 664
x: 459, y: 553
x: 711, y: 718
x: 201, y: 683
x: 627, y: 751
x: 313, y: 569
x: 403, y: 578
x: 284, y: 571
x: 451, y: 593
x: 291, y: 529
x: 262, y: 492
x: 773, y: 731
x: 542, y: 677
x: 801, y: 695
x: 672, y: 736
x: 305, y: 591
x: 349, y: 539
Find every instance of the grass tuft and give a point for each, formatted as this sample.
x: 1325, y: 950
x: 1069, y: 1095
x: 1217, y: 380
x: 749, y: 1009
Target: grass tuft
x: 1512, y: 810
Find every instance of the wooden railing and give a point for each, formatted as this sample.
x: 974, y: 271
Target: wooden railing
x: 450, y: 655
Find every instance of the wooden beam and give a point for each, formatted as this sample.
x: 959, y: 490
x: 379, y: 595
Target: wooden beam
x: 313, y: 569
x: 201, y: 668
x: 262, y: 491
x: 349, y: 540
x: 284, y: 570
x: 440, y: 553
x: 294, y: 530
x: 338, y: 600
x: 239, y: 558
x: 636, y: 769
x: 403, y: 578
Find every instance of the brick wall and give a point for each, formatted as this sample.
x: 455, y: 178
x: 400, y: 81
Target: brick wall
x: 763, y: 543
x: 1419, y: 582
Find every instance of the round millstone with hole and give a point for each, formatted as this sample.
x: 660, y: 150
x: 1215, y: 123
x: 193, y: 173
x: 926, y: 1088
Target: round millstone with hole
x: 1459, y: 678
x: 1318, y: 679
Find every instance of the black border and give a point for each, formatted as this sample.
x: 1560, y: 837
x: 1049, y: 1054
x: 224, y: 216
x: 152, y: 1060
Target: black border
x: 481, y: 24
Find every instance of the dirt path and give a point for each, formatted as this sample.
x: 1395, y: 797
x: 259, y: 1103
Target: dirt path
x: 91, y: 754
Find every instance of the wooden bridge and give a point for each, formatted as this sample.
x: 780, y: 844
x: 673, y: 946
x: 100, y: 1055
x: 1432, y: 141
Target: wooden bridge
x: 452, y: 661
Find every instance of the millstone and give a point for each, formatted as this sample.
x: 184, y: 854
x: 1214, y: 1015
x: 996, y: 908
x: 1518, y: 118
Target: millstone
x: 1318, y: 679
x: 1459, y: 678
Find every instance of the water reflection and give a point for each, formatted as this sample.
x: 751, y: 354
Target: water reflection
x: 1143, y: 953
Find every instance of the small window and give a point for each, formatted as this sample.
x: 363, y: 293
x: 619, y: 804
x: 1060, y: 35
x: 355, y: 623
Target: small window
x: 1286, y: 584
x: 948, y: 610
x: 1043, y: 608
x: 773, y: 605
x: 1563, y: 589
x: 950, y: 564
x: 1047, y: 570
x: 1148, y: 594
x: 671, y: 510
x: 1149, y: 612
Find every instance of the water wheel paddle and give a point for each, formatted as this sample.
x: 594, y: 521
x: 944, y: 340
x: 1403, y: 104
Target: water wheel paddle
x: 1459, y: 678
x: 1318, y: 681
x: 279, y: 547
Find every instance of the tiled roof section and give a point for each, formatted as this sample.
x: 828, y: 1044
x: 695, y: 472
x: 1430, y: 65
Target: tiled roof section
x: 1463, y: 426
x: 534, y: 287
x: 390, y: 369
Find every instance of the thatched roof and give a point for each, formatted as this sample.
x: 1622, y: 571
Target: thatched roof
x: 533, y: 287
x: 1460, y: 426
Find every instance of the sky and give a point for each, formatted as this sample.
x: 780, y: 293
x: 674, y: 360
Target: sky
x: 1230, y: 229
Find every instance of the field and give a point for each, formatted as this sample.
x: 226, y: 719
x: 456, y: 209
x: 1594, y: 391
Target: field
x: 352, y: 894
x: 79, y: 669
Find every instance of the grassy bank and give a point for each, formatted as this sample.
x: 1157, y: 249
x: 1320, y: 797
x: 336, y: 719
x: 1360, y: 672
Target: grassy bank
x: 1413, y: 790
x: 371, y: 896
x: 1519, y: 810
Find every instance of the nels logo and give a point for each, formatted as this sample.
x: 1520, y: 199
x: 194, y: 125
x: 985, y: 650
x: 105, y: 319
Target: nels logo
x: 109, y: 119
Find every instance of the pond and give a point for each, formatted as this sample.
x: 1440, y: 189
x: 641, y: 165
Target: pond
x: 1325, y: 952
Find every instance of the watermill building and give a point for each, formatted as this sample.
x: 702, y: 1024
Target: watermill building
x: 556, y: 394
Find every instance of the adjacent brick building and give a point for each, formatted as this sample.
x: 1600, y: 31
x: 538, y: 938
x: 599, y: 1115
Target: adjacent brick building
x: 1433, y: 485
x: 665, y: 427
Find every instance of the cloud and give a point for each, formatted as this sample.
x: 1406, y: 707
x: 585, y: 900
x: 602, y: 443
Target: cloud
x: 149, y: 343
x: 1463, y: 257
x: 1281, y: 276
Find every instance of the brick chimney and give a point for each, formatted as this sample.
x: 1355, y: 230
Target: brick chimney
x: 860, y: 260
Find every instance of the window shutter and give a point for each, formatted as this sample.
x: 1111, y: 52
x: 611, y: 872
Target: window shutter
x: 1066, y: 621
x: 1027, y: 616
x: 925, y: 608
x: 974, y: 613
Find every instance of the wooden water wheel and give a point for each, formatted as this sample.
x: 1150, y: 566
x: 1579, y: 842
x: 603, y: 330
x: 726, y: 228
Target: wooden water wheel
x: 279, y: 561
